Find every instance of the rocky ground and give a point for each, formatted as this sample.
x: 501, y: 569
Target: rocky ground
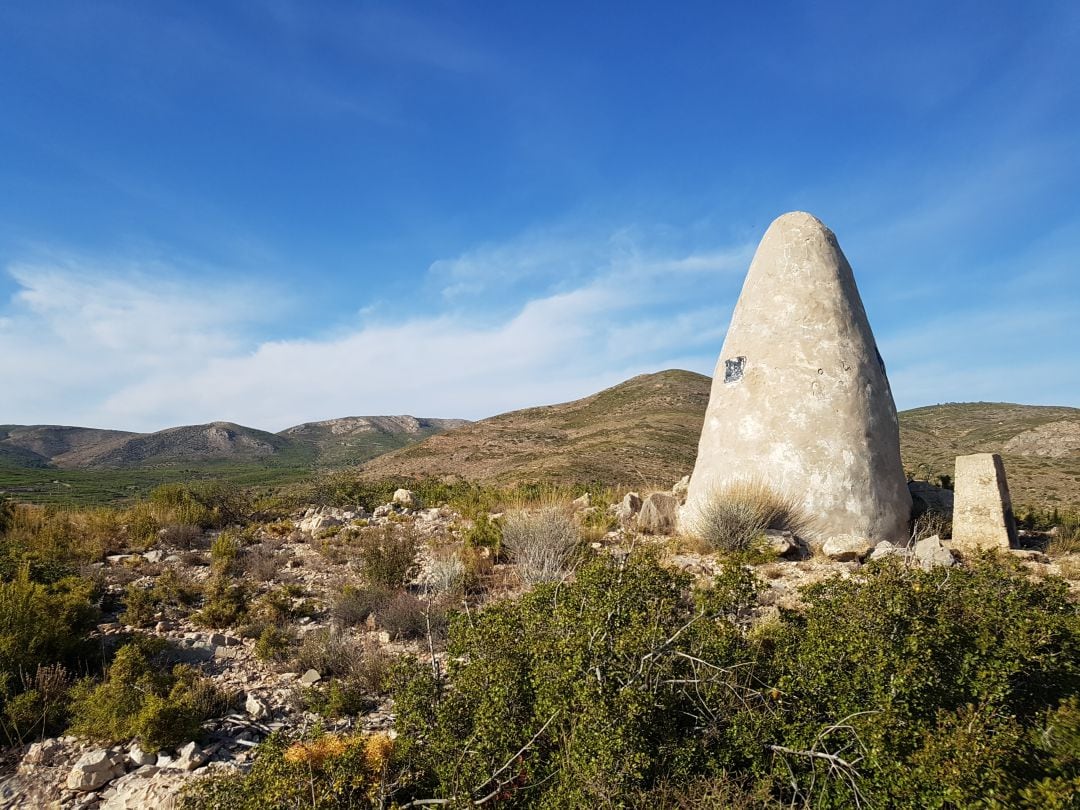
x: 311, y: 555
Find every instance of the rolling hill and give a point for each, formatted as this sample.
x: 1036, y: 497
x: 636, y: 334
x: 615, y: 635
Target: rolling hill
x: 641, y: 433
x: 645, y: 431
x: 74, y: 464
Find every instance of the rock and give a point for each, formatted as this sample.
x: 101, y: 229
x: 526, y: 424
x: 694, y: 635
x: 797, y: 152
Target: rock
x: 930, y: 552
x: 800, y: 396
x: 982, y: 509
x: 256, y: 708
x: 583, y: 502
x: 94, y: 769
x: 681, y: 489
x: 310, y: 677
x: 629, y: 506
x: 138, y: 758
x: 385, y: 510
x: 846, y: 547
x: 926, y: 497
x: 41, y: 753
x: 190, y: 757
x: 887, y: 549
x: 154, y: 556
x: 148, y: 787
x: 1029, y: 555
x: 781, y: 542
x: 407, y: 499
x: 658, y: 514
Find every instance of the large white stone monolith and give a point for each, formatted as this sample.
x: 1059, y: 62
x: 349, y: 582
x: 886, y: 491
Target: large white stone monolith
x: 799, y: 399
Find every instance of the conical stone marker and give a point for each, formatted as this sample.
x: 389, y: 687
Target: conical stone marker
x: 800, y: 401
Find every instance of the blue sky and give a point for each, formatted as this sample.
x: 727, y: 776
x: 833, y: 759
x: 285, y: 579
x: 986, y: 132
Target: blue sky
x: 279, y: 212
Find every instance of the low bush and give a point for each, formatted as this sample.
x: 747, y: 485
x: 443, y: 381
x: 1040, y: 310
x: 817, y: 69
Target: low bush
x: 735, y: 517
x: 388, y: 555
x: 484, y: 533
x: 354, y: 604
x: 543, y: 543
x: 225, y: 603
x: 141, y: 698
x: 894, y: 688
x: 317, y: 770
x: 225, y: 553
x: 37, y: 705
x: 329, y: 652
x: 408, y: 617
x: 274, y: 643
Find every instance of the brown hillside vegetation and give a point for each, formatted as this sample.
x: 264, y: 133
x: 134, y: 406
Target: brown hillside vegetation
x: 645, y: 431
x: 642, y: 432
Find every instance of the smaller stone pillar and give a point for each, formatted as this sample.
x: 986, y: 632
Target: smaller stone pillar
x: 982, y: 509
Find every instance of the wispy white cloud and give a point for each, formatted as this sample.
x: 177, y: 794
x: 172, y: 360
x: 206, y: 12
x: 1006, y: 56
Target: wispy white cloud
x: 141, y: 349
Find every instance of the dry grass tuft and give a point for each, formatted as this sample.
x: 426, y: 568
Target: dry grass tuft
x: 735, y: 517
x: 544, y: 542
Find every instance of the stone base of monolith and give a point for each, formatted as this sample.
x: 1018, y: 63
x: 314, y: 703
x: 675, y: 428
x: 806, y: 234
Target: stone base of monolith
x: 982, y: 508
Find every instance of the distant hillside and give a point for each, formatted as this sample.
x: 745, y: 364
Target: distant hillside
x: 642, y: 432
x: 354, y: 439
x: 1040, y: 446
x: 65, y: 464
x: 647, y: 428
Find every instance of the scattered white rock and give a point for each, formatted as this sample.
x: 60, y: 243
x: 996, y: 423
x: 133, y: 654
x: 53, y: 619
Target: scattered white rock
x: 310, y: 677
x: 584, y: 502
x: 681, y: 488
x: 190, y: 757
x: 407, y: 498
x: 139, y: 758
x: 94, y: 769
x: 846, y: 547
x: 148, y: 787
x: 256, y: 708
x: 930, y: 552
x: 658, y: 514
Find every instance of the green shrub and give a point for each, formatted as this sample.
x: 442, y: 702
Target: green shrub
x: 388, y: 555
x: 484, y: 533
x: 734, y: 518
x: 894, y: 688
x: 170, y: 590
x: 318, y: 770
x: 225, y: 552
x: 225, y: 604
x: 274, y: 643
x: 140, y: 698
x: 37, y: 705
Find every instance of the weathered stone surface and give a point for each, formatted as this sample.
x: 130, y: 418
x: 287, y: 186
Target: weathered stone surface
x: 148, y: 787
x: 629, y: 506
x: 407, y: 499
x: 138, y: 758
x: 256, y: 708
x: 582, y: 502
x: 189, y: 757
x: 846, y: 547
x: 982, y: 510
x: 928, y: 498
x: 658, y: 513
x: 781, y: 542
x: 94, y: 769
x: 681, y: 489
x: 800, y: 399
x: 887, y: 549
x: 310, y: 677
x: 930, y: 552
